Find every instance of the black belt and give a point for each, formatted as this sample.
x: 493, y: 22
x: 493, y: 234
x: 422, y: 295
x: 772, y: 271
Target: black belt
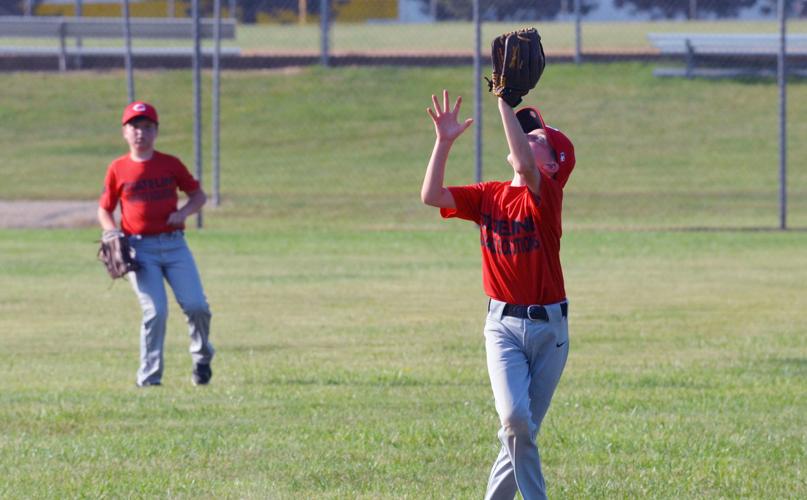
x: 534, y: 312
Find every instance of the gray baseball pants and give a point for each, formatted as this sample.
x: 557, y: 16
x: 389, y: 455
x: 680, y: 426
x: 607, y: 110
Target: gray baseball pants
x: 167, y: 257
x: 525, y: 361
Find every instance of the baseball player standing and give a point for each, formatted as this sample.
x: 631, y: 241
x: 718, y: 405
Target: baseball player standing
x: 145, y: 182
x: 526, y: 331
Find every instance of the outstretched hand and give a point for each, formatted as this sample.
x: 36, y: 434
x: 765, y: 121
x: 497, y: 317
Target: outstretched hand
x: 446, y: 125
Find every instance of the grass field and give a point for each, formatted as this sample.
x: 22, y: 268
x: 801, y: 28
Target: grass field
x: 348, y: 317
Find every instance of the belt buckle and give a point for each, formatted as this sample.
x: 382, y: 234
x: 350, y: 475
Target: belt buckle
x: 536, y: 312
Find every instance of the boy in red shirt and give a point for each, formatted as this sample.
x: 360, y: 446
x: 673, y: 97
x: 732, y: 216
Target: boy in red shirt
x: 145, y: 182
x: 526, y: 331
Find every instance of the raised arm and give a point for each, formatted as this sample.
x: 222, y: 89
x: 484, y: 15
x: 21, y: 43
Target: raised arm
x: 521, y: 155
x: 447, y: 129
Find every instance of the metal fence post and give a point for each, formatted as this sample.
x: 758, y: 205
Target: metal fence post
x: 690, y: 59
x: 197, y: 100
x: 127, y: 55
x: 79, y: 12
x: 62, y: 47
x: 781, y: 72
x: 478, y: 90
x: 578, y: 37
x: 216, y: 99
x: 324, y: 13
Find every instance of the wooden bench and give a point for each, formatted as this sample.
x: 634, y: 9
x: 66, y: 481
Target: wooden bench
x: 729, y: 54
x: 64, y: 28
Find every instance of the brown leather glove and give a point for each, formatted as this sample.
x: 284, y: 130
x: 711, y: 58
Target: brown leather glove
x: 518, y: 63
x: 116, y: 254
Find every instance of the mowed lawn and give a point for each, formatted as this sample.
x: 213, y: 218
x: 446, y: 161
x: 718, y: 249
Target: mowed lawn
x: 348, y: 317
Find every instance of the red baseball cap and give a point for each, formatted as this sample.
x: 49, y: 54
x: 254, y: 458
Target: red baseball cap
x: 138, y: 109
x: 530, y: 119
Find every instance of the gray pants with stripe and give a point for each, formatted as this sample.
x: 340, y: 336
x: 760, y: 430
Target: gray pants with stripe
x: 525, y: 360
x: 166, y: 257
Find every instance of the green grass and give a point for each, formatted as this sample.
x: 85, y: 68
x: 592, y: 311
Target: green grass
x: 351, y: 365
x: 349, y: 146
x: 348, y: 317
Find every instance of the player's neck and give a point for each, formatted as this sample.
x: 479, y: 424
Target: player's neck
x: 136, y: 155
x: 518, y: 181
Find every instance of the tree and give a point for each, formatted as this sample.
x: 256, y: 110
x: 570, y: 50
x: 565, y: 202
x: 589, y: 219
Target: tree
x: 11, y: 9
x: 660, y: 9
x: 793, y: 8
x: 503, y: 10
x: 17, y: 7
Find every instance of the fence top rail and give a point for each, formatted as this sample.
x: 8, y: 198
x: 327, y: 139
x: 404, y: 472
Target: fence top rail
x: 110, y: 27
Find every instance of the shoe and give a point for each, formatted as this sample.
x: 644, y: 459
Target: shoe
x: 201, y: 374
x: 148, y: 384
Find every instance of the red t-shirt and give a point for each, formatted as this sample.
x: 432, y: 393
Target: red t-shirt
x: 520, y: 238
x: 147, y: 191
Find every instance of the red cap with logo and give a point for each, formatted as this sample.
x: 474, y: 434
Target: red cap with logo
x: 138, y: 109
x: 530, y: 119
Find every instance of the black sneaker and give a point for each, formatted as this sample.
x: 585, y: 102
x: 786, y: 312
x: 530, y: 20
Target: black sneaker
x: 201, y: 374
x: 147, y: 384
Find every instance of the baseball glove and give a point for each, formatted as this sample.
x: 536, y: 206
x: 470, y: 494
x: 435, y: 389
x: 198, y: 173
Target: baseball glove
x: 116, y: 254
x: 518, y: 62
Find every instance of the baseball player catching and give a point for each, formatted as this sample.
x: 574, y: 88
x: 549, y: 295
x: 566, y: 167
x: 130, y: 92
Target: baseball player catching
x: 145, y: 182
x: 526, y: 330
